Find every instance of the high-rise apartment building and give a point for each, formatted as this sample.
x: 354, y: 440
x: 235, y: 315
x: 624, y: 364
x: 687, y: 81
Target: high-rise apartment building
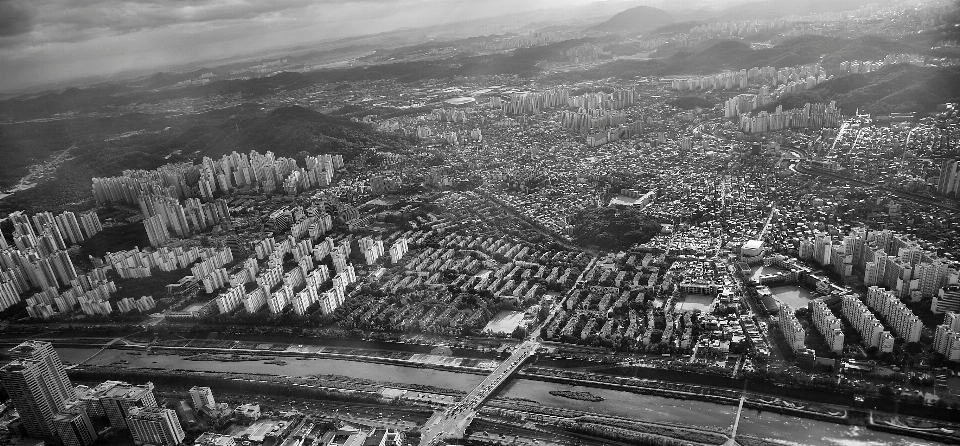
x: 932, y: 276
x: 63, y: 267
x: 948, y: 299
x: 25, y: 381
x: 339, y: 260
x: 73, y: 426
x: 202, y: 397
x: 37, y: 383
x: 947, y: 342
x: 56, y: 380
x: 70, y: 227
x: 398, y: 250
x: 952, y: 320
x: 118, y: 399
x: 827, y: 324
x: 949, y: 182
x: 792, y: 330
x: 155, y: 426
x: 156, y: 230
x: 90, y: 222
x: 870, y: 329
x: 900, y: 318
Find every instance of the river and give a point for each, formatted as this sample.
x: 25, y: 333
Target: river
x: 293, y: 367
x: 786, y: 429
x: 781, y: 428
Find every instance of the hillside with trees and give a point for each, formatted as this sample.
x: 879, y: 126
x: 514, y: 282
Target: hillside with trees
x: 614, y: 228
x: 895, y: 88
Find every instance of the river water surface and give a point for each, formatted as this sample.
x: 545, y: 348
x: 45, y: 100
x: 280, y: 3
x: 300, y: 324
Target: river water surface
x: 784, y: 429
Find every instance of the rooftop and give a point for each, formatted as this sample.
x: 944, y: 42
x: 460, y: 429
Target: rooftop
x: 114, y: 389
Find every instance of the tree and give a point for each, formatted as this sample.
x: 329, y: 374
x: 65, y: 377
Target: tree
x: 886, y: 391
x: 519, y: 332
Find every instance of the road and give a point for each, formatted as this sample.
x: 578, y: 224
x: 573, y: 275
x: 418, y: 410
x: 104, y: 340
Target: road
x: 766, y: 226
x: 452, y: 422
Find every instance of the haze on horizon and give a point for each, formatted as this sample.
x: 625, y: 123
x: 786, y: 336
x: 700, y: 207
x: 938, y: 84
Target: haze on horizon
x: 48, y: 41
x: 44, y: 42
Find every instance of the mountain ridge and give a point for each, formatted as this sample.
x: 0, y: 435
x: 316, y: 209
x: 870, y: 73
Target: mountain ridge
x: 894, y: 88
x: 635, y: 20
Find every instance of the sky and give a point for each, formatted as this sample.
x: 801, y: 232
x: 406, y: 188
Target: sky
x: 48, y: 41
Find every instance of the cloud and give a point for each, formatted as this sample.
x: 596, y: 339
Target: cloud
x: 76, y: 20
x: 14, y: 18
x: 48, y: 41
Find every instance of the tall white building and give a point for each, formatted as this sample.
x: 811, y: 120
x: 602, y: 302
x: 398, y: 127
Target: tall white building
x: 947, y: 342
x: 870, y: 329
x: 155, y: 426
x: 118, y: 398
x: 948, y: 299
x: 792, y: 330
x: 900, y: 318
x: 156, y: 230
x: 949, y: 182
x: 37, y: 383
x: 202, y: 397
x: 827, y: 324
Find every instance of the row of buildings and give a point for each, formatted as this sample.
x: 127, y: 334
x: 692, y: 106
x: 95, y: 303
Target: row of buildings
x: 163, y: 215
x: 39, y: 261
x: 871, y: 330
x: 535, y: 102
x: 768, y: 75
x: 811, y: 116
x: 255, y: 171
x: 894, y: 261
x: 178, y: 199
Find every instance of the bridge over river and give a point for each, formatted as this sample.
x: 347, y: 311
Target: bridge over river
x: 453, y: 421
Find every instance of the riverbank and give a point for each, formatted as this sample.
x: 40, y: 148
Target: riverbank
x: 658, y: 388
x: 523, y: 410
x: 435, y: 388
x: 702, y: 394
x: 345, y: 389
x: 259, y: 354
x: 942, y: 432
x: 645, y: 387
